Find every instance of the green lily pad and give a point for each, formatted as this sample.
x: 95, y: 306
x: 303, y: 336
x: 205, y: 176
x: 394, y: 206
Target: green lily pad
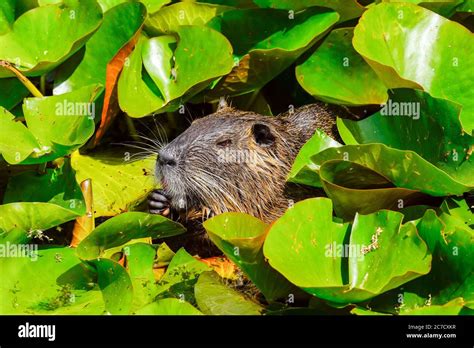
x: 123, y: 228
x: 115, y: 285
x: 169, y: 306
x: 357, y: 189
x: 303, y: 170
x: 65, y: 286
x: 380, y: 269
x: 15, y: 152
x: 356, y: 82
x: 405, y: 169
x: 173, y: 72
x: 181, y: 275
x: 214, y: 298
x: 46, y: 36
x: 61, y: 123
x: 431, y: 128
x: 444, y: 8
x: 56, y: 126
x: 240, y: 237
x: 389, y: 35
x: 364, y: 311
x: 164, y: 255
x: 171, y: 18
x: 59, y: 201
x: 453, y: 307
x: 459, y: 209
x: 137, y: 97
x: 196, y: 45
x: 266, y: 42
x: 30, y: 217
x: 118, y: 27
x: 118, y: 183
x: 13, y: 92
x: 140, y: 258
x: 151, y: 5
x: 347, y: 9
x: 451, y: 278
x: 7, y: 15
x: 317, y: 254
x: 58, y: 187
x: 300, y: 237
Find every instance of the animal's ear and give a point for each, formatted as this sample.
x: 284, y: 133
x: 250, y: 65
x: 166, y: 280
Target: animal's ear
x: 262, y: 134
x: 222, y: 104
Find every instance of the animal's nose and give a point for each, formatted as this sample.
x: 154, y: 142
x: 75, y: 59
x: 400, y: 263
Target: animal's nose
x: 166, y: 159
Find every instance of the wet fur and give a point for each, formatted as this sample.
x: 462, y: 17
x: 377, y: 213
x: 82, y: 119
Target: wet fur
x: 200, y: 182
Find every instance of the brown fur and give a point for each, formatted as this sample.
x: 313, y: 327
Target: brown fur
x: 238, y: 161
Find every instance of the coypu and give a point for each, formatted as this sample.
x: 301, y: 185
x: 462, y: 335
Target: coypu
x: 235, y: 161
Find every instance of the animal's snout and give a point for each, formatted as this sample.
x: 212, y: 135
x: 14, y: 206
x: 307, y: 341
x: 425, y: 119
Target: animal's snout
x: 165, y: 159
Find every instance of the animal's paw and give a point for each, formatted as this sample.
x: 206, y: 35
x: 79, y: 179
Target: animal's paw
x: 158, y: 203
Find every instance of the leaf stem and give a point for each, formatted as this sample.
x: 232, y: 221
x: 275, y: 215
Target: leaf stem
x: 27, y: 83
x: 43, y: 84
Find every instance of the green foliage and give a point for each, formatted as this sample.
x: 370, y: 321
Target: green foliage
x: 394, y: 234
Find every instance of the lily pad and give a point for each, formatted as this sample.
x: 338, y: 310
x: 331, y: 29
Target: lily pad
x: 459, y: 209
x: 118, y: 183
x: 304, y: 170
x: 31, y: 217
x: 390, y: 36
x: 137, y: 97
x: 7, y: 15
x: 15, y: 152
x: 169, y: 306
x: 140, y: 258
x: 46, y: 36
x: 214, y: 298
x: 405, y: 169
x: 356, y: 82
x: 171, y: 18
x: 426, y: 125
x: 195, y: 46
x: 56, y: 126
x: 347, y: 9
x: 358, y: 189
x: 266, y: 42
x: 59, y: 201
x: 317, y: 254
x: 181, y: 275
x: 118, y: 27
x: 123, y: 228
x: 240, y: 237
x: 59, y: 187
x: 452, y: 308
x: 296, y: 245
x: 115, y: 285
x: 66, y: 285
x: 13, y: 92
x: 172, y: 70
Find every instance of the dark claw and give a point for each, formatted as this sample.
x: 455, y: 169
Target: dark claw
x: 158, y: 203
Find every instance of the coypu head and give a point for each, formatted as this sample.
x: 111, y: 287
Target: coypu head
x: 232, y: 161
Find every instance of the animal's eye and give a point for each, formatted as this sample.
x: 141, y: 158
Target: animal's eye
x: 224, y: 143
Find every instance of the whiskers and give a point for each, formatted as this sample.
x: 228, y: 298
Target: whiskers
x: 213, y: 192
x: 148, y: 146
